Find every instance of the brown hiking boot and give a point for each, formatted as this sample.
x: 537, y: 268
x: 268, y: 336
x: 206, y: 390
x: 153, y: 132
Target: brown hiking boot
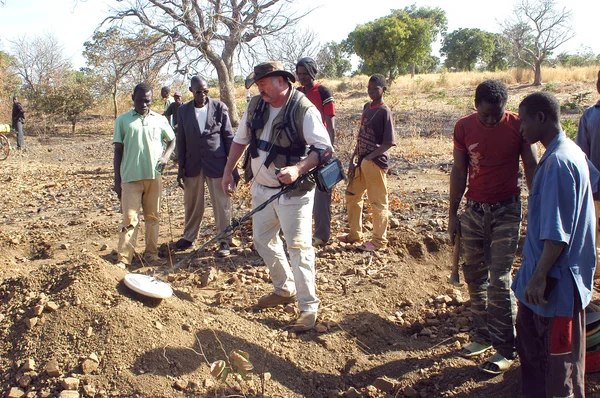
x: 306, y: 321
x: 273, y: 300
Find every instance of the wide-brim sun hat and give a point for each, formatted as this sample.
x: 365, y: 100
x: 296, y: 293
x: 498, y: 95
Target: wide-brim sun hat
x: 266, y: 69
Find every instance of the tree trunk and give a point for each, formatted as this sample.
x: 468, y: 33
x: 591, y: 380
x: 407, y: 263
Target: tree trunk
x: 412, y: 71
x: 537, y: 80
x: 227, y: 90
x: 114, y: 99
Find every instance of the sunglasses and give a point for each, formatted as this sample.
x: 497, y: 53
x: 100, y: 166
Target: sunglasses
x: 201, y: 92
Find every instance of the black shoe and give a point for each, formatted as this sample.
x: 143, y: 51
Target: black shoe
x: 182, y: 244
x: 223, y: 250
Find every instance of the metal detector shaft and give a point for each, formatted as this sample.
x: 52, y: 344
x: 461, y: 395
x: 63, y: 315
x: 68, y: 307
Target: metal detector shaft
x: 231, y: 227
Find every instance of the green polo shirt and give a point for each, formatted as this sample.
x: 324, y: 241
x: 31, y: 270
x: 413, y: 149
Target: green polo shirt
x: 142, y: 139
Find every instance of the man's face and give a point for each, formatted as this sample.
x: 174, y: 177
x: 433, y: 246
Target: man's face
x: 530, y: 126
x: 142, y: 101
x: 598, y: 83
x: 178, y: 100
x: 270, y: 88
x: 164, y: 93
x: 200, y: 91
x: 303, y: 76
x: 15, y: 100
x: 375, y: 91
x: 490, y: 114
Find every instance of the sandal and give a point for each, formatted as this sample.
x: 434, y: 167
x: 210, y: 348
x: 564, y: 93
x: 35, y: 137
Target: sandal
x: 345, y: 238
x: 367, y: 247
x: 496, y: 365
x: 474, y: 349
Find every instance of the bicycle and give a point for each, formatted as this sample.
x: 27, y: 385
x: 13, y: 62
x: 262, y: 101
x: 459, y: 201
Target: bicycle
x: 5, y: 129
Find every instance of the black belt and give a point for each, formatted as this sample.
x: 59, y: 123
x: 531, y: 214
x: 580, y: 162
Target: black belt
x: 482, y: 207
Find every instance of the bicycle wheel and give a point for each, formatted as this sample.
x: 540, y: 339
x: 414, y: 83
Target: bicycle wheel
x: 4, y: 147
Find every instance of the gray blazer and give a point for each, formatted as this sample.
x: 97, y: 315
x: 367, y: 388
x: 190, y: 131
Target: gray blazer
x: 207, y: 148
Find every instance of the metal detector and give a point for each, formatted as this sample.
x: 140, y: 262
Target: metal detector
x: 325, y: 177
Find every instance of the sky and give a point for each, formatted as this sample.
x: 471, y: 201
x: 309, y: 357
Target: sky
x: 73, y: 22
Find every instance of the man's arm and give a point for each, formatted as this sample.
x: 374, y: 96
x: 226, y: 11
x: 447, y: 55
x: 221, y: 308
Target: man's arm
x: 530, y: 161
x: 534, y: 291
x: 226, y: 129
x: 235, y: 153
x: 330, y: 120
x: 583, y: 139
x: 117, y: 159
x: 164, y: 159
x: 458, y: 184
x: 378, y: 152
x: 181, y: 146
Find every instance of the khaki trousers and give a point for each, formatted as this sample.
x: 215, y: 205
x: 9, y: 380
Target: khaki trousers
x: 193, y: 201
x: 370, y: 178
x: 143, y: 194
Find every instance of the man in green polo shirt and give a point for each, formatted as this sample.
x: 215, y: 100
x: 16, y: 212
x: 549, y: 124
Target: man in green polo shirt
x: 138, y: 162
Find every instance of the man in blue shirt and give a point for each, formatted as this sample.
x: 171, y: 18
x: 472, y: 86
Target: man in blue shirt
x: 588, y: 138
x: 554, y: 283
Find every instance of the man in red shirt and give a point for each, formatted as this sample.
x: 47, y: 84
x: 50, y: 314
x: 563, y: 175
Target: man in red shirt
x: 322, y: 98
x: 487, y: 147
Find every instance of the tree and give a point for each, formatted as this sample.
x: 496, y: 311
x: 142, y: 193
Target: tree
x: 287, y: 46
x: 39, y: 62
x: 111, y: 56
x: 402, y: 38
x: 333, y: 60
x: 151, y: 52
x: 210, y: 31
x: 466, y: 48
x: 537, y: 29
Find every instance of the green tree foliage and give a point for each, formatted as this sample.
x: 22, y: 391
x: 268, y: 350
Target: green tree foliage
x: 333, y: 60
x: 399, y: 39
x: 537, y: 29
x: 467, y: 48
x: 117, y: 59
x: 583, y: 57
x: 69, y: 100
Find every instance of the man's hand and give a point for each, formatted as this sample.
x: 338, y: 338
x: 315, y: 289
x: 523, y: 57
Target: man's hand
x: 288, y: 175
x: 534, y: 291
x: 228, y: 184
x: 453, y: 227
x: 180, y: 178
x: 162, y: 161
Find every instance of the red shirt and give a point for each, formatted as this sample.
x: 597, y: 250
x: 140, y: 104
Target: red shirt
x: 325, y: 105
x: 493, y: 156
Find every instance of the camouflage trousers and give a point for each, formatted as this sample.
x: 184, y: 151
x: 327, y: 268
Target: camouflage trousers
x: 489, y: 239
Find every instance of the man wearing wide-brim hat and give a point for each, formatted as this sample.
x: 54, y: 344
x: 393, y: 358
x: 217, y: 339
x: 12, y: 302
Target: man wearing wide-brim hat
x: 286, y: 139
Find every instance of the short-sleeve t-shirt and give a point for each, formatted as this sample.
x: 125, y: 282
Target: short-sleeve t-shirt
x: 493, y: 156
x: 376, y: 129
x: 142, y: 139
x: 324, y: 104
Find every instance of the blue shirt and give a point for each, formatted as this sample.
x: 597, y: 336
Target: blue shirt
x: 588, y: 136
x: 561, y: 209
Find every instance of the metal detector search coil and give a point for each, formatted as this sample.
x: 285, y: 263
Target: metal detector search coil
x: 327, y: 176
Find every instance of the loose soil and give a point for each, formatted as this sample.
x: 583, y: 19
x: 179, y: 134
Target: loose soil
x: 391, y: 314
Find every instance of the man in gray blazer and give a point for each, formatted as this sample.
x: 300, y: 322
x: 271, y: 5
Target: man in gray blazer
x: 204, y: 136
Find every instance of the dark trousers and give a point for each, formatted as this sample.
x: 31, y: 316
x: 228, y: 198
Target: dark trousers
x: 322, y: 215
x: 18, y: 126
x: 489, y: 245
x: 551, y: 366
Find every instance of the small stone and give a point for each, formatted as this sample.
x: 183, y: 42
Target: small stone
x: 28, y: 365
x: 158, y: 325
x: 52, y: 306
x: 352, y: 393
x: 38, y: 309
x: 52, y: 368
x: 65, y: 246
x: 89, y: 390
x: 89, y: 331
x: 68, y: 394
x: 181, y: 385
x: 425, y: 332
x: 208, y: 383
x: 384, y: 384
x: 94, y: 357
x: 103, y: 247
x: 410, y: 392
x: 89, y: 366
x: 70, y: 383
x: 15, y: 392
x: 267, y: 376
x: 24, y: 381
x: 290, y: 309
x: 31, y: 322
x: 320, y: 328
x: 186, y: 327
